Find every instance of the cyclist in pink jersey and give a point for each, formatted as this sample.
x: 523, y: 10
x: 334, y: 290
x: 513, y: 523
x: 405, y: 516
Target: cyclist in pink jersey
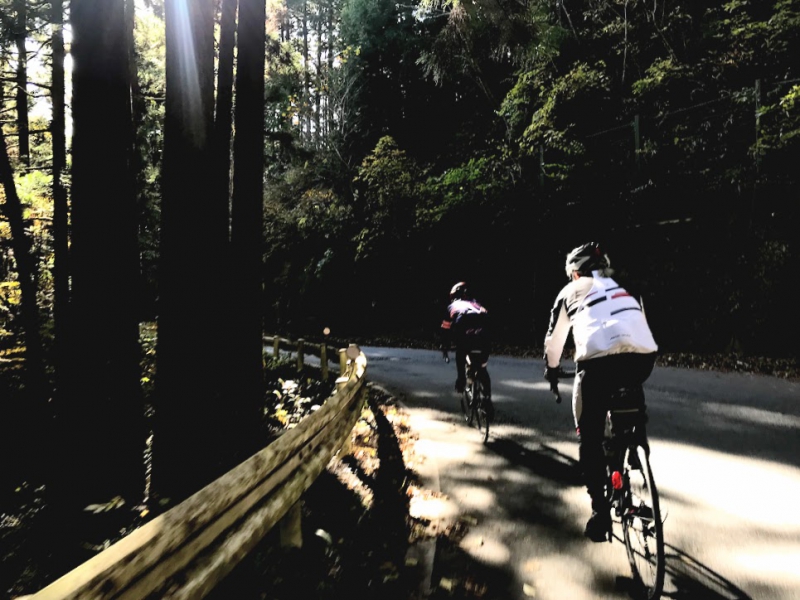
x: 465, y: 327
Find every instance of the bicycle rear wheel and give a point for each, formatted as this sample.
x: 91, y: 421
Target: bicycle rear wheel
x: 481, y: 419
x: 466, y: 404
x: 642, y: 527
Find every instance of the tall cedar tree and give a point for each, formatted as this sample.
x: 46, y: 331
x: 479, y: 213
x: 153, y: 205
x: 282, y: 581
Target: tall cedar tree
x: 223, y: 121
x: 186, y: 443
x: 60, y: 206
x: 101, y: 402
x: 27, y: 276
x: 221, y: 199
x: 20, y: 37
x: 247, y: 214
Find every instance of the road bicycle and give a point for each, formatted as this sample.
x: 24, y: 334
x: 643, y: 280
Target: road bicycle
x: 476, y: 405
x: 630, y: 488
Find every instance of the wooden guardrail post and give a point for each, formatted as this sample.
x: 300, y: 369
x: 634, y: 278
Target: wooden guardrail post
x: 276, y: 347
x: 291, y: 527
x: 347, y: 445
x: 323, y: 361
x: 342, y: 361
x: 300, y: 357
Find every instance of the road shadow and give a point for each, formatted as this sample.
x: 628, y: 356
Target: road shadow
x: 695, y: 581
x: 544, y: 461
x: 457, y: 575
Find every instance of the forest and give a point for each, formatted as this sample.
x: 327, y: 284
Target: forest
x: 181, y: 178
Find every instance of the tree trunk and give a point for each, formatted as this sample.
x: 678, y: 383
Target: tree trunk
x: 60, y: 206
x: 305, y: 121
x: 223, y: 122
x: 248, y: 215
x: 101, y: 403
x: 138, y: 112
x: 329, y: 73
x: 185, y: 448
x: 27, y: 275
x: 20, y: 35
x: 221, y: 198
x: 318, y: 82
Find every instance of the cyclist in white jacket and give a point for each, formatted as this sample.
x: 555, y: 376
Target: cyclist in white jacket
x: 614, y: 348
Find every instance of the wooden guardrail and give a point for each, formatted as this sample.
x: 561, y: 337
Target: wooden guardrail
x: 301, y: 347
x: 183, y: 553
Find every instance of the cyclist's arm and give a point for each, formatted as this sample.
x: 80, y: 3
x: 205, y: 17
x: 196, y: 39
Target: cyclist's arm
x: 445, y: 334
x: 557, y: 332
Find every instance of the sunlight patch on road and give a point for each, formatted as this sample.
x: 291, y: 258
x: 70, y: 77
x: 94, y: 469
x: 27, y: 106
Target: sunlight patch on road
x: 521, y: 384
x: 422, y: 420
x: 486, y: 549
x: 561, y: 576
x: 442, y: 450
x: 432, y: 508
x: 424, y: 394
x: 729, y: 484
x: 474, y: 498
x: 778, y: 565
x: 748, y: 415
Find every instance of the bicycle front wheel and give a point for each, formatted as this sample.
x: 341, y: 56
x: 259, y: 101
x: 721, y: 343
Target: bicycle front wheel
x: 642, y: 527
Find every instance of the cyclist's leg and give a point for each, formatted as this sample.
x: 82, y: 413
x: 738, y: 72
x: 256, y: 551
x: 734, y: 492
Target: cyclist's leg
x: 590, y: 407
x: 485, y: 379
x: 630, y: 371
x: 461, y: 364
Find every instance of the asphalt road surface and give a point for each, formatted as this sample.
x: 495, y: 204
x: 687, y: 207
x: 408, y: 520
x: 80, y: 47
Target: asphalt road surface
x: 725, y: 453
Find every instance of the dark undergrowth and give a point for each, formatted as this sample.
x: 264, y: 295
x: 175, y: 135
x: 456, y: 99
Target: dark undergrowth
x: 32, y: 554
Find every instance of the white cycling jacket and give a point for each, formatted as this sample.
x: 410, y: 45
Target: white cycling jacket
x: 605, y: 319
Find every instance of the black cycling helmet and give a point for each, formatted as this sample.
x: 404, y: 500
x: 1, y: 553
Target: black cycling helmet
x: 587, y: 258
x: 458, y: 291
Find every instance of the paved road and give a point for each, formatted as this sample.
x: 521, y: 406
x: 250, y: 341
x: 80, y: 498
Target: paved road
x: 725, y: 454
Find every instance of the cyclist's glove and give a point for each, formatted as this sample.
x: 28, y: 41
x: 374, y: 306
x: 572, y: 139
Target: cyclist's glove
x: 551, y: 374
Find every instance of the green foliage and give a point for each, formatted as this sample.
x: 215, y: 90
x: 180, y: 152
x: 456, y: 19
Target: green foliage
x: 292, y: 401
x: 291, y: 396
x: 582, y: 86
x: 658, y: 75
x: 148, y: 113
x: 480, y: 181
x: 388, y: 183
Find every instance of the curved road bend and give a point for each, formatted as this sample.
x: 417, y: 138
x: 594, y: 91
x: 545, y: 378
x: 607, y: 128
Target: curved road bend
x: 725, y: 455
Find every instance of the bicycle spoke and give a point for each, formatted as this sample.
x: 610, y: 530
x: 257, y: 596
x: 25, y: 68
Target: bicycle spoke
x: 642, y: 528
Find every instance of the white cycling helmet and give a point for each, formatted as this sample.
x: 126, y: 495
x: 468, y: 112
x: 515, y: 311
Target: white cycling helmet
x: 459, y: 291
x: 587, y: 258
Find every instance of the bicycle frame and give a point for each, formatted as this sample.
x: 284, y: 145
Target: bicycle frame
x: 475, y: 366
